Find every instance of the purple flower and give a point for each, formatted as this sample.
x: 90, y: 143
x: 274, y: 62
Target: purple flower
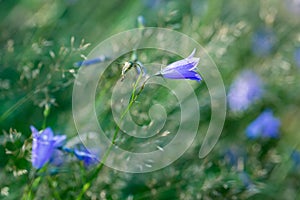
x: 182, y: 69
x: 264, y: 126
x: 263, y: 42
x: 43, y: 146
x: 91, y: 61
x: 88, y: 158
x: 297, y: 57
x: 58, y: 157
x: 246, y: 89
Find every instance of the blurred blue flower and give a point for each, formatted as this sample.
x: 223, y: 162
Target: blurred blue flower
x: 89, y: 158
x: 43, y: 146
x: 141, y: 21
x: 263, y: 42
x: 293, y: 6
x: 246, y: 89
x: 297, y: 57
x: 152, y: 4
x: 182, y: 69
x: 264, y: 126
x: 235, y: 157
x: 296, y: 159
x: 244, y: 177
x: 91, y: 61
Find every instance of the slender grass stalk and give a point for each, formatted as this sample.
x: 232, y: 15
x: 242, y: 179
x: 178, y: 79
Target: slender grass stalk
x: 133, y: 98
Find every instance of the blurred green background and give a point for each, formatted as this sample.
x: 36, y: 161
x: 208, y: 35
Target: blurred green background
x: 41, y: 40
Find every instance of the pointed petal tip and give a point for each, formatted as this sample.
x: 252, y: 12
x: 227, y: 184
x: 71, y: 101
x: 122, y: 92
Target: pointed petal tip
x: 34, y: 131
x: 192, y: 54
x: 198, y: 78
x: 32, y: 128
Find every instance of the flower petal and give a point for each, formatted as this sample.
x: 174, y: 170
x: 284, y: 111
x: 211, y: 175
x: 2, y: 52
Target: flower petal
x: 87, y: 157
x: 46, y: 135
x: 41, y: 152
x: 187, y: 64
x: 192, y: 75
x: 34, y: 131
x: 59, y: 140
x: 182, y: 69
x: 192, y: 54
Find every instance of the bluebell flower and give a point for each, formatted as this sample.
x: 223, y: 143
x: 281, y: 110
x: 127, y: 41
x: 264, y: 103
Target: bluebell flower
x: 297, y: 57
x: 43, y: 146
x: 89, y: 158
x: 91, y: 61
x: 263, y: 42
x: 245, y: 90
x: 264, y: 126
x: 182, y: 69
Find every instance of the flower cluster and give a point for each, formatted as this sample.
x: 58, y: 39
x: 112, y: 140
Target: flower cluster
x: 48, y: 148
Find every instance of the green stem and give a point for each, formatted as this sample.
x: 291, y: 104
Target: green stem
x: 31, y: 188
x: 44, y: 123
x: 133, y: 98
x: 55, y: 193
x: 46, y: 114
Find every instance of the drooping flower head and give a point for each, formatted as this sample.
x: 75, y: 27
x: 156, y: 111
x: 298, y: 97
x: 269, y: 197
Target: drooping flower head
x: 182, y: 69
x: 44, y: 143
x: 263, y: 42
x: 92, y: 61
x: 264, y: 126
x: 89, y: 158
x: 246, y: 89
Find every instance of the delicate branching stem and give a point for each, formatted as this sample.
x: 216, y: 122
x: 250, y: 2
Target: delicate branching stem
x: 133, y: 98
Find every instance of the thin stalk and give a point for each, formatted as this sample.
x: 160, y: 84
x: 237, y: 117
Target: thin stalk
x: 133, y: 98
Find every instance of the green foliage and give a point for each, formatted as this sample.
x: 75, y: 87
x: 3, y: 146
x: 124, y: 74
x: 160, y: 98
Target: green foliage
x: 41, y: 41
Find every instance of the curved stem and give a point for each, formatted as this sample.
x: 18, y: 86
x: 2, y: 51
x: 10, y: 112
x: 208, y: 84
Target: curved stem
x: 133, y: 98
